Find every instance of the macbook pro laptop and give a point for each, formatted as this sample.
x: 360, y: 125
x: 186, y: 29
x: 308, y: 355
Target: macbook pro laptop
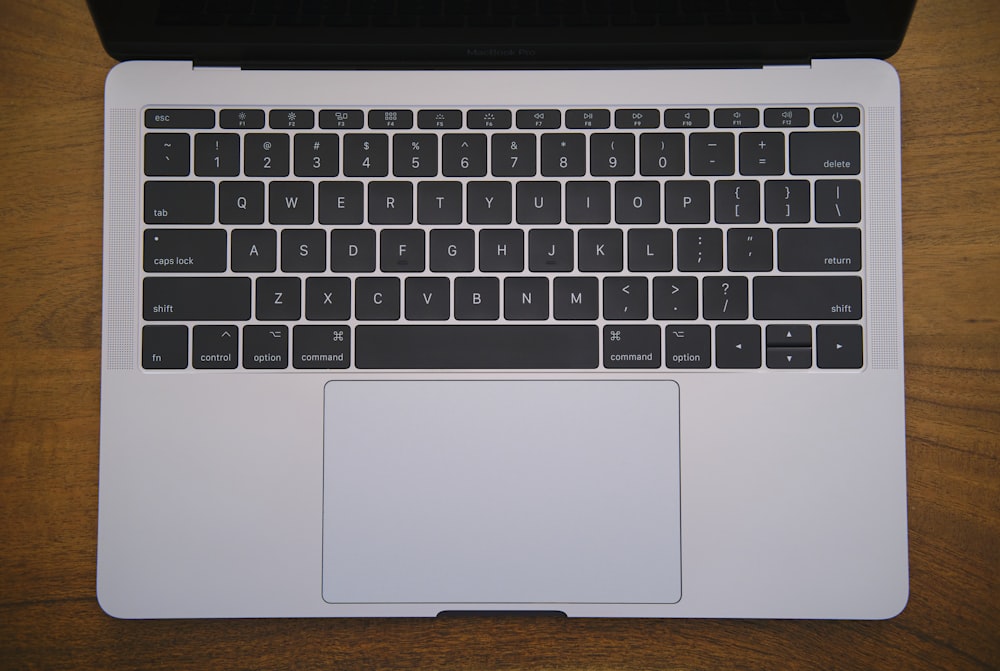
x: 552, y: 306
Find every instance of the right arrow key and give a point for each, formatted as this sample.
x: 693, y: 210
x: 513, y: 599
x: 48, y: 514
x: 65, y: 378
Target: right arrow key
x: 839, y: 346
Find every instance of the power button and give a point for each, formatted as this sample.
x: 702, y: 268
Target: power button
x: 844, y: 117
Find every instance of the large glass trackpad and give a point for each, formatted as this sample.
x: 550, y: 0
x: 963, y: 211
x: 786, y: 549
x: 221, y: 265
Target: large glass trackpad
x: 501, y: 492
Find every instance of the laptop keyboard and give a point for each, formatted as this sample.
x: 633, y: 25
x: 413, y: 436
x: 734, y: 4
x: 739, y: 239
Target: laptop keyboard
x: 723, y: 238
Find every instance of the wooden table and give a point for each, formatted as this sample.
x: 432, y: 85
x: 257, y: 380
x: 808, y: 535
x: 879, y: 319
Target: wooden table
x: 52, y: 71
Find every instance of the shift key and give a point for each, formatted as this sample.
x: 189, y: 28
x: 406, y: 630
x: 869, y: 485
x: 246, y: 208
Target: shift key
x: 196, y: 298
x: 797, y: 297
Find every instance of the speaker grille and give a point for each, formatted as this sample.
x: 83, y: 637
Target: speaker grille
x: 120, y: 238
x: 884, y: 238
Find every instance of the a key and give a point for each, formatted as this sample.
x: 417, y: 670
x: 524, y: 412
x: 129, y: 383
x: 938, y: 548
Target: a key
x: 303, y: 251
x: 278, y: 299
x: 749, y: 249
x: 762, y: 153
x: 539, y: 202
x: 400, y: 119
x: 588, y: 202
x: 179, y: 202
x: 179, y: 118
x: 427, y: 298
x: 737, y: 346
x: 613, y: 153
x: 838, y: 201
x: 489, y: 203
x: 317, y: 155
x: 164, y: 347
x: 632, y: 346
x: 661, y: 154
x: 254, y: 251
x: 786, y: 201
x: 687, y: 201
x: 819, y: 249
x: 725, y: 297
x: 795, y: 297
x: 241, y: 202
x: 366, y: 155
x: 526, y: 298
x: 839, y: 346
x: 712, y: 153
x: 265, y: 347
x: 550, y: 250
x: 688, y: 346
x: 376, y: 298
x: 737, y: 202
x: 414, y: 155
x: 637, y: 118
x: 538, y: 118
x: 743, y: 117
x: 600, y: 251
x: 265, y: 155
x: 290, y: 202
x: 167, y: 154
x: 626, y: 298
x: 341, y: 202
x: 650, y: 250
x: 513, y: 155
x: 471, y: 346
x: 390, y: 203
x: 291, y: 118
x: 196, y: 298
x: 699, y: 250
x: 575, y: 298
x: 824, y: 153
x: 183, y: 251
x: 675, y: 298
x: 321, y: 346
x: 439, y: 202
x: 463, y: 155
x: 352, y: 251
x: 215, y: 347
x: 564, y: 154
x: 401, y: 251
x: 477, y: 298
x: 452, y: 251
x: 637, y: 202
x: 328, y: 298
x: 217, y: 154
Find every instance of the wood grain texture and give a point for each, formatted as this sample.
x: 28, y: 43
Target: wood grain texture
x: 52, y: 71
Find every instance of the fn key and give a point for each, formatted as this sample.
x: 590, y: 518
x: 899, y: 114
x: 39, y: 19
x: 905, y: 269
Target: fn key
x: 164, y: 347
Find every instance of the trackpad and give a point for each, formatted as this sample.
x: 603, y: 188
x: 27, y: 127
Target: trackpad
x: 500, y: 492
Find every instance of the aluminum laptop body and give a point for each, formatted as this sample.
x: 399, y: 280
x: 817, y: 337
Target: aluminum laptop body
x: 370, y: 460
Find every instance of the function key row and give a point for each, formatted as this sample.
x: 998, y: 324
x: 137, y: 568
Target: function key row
x: 486, y: 119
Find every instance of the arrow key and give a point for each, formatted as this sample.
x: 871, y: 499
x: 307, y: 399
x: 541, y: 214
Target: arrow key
x: 737, y: 346
x: 789, y: 335
x: 789, y: 357
x: 839, y: 346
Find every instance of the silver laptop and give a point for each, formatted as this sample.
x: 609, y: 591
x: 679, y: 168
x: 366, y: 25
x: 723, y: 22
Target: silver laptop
x: 565, y: 308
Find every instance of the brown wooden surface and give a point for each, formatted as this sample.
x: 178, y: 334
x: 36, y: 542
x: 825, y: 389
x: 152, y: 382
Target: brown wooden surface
x: 52, y: 71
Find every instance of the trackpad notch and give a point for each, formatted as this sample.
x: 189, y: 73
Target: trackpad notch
x: 501, y: 492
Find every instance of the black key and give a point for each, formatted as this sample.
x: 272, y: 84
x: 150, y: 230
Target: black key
x: 513, y: 155
x: 217, y: 154
x: 588, y: 118
x: 328, y: 298
x: 179, y: 202
x: 501, y: 251
x: 379, y: 119
x: 539, y: 202
x: 453, y: 251
x: 287, y: 119
x: 688, y: 346
x: 725, y: 297
x: 215, y: 347
x: 762, y: 153
x: 303, y: 251
x: 686, y: 118
x: 637, y: 118
x: 196, y: 298
x: 699, y: 250
x: 824, y: 153
x: 317, y: 155
x: 526, y: 298
x: 626, y: 298
x: 819, y: 249
x: 564, y: 154
x: 254, y: 251
x: 632, y: 346
x: 837, y: 117
x: 390, y: 203
x: 241, y: 118
x: 661, y: 154
x: 315, y: 346
x: 477, y: 298
x: 749, y: 249
x: 341, y: 119
x: 439, y: 202
x: 807, y: 297
x: 366, y: 155
x: 675, y: 298
x: 839, y: 346
x: 265, y: 155
x: 687, y: 201
x: 278, y: 298
x: 439, y: 119
x: 265, y: 347
x: 489, y: 203
x: 650, y: 250
x: 290, y: 203
x: 167, y: 154
x: 550, y: 250
x: 241, y: 202
x: 414, y: 155
x: 183, y: 251
x: 789, y: 335
x: 341, y: 202
x: 376, y: 298
x: 600, y: 251
x: 637, y: 202
x: 612, y: 154
x: 838, y: 201
x: 737, y: 202
x: 164, y: 347
x: 463, y: 155
x: 737, y: 346
x: 575, y: 298
x: 401, y: 251
x: 786, y: 117
x: 712, y: 153
x: 352, y: 251
x: 469, y: 346
x: 786, y: 202
x: 789, y: 357
x: 484, y: 119
x: 427, y: 298
x: 538, y: 118
x: 588, y: 202
x: 743, y: 117
x: 179, y: 118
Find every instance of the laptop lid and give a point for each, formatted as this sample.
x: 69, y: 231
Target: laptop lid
x: 501, y: 33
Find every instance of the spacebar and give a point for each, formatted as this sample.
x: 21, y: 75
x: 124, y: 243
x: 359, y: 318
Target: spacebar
x: 476, y: 346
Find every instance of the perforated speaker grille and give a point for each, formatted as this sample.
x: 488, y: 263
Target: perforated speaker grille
x: 883, y: 234
x: 120, y: 239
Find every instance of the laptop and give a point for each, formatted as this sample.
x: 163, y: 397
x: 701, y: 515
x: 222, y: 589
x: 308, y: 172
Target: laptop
x: 573, y: 308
